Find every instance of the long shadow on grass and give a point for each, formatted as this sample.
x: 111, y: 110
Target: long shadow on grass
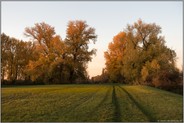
x: 142, y: 109
x: 117, y: 112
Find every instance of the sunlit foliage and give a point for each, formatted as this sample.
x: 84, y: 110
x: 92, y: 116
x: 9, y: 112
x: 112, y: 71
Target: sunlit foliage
x: 138, y: 55
x: 15, y: 56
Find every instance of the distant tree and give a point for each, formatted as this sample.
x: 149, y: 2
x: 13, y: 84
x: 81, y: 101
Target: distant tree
x: 78, y: 37
x: 103, y: 78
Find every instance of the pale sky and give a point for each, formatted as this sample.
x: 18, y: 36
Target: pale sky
x: 107, y: 17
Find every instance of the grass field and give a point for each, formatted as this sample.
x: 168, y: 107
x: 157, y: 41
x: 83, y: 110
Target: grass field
x: 102, y: 103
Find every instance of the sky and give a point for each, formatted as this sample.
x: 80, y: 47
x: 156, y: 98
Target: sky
x: 107, y: 17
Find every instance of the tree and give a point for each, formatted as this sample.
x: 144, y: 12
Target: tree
x: 114, y: 57
x: 142, y: 55
x: 58, y: 69
x: 4, y: 55
x: 103, y: 78
x: 47, y: 58
x: 22, y: 55
x: 78, y: 36
x: 43, y: 35
x: 57, y: 60
x: 15, y: 56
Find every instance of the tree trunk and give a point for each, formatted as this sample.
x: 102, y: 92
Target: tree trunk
x: 71, y: 76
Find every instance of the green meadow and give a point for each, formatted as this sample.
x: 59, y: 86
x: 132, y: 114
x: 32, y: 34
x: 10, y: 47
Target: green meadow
x: 87, y: 103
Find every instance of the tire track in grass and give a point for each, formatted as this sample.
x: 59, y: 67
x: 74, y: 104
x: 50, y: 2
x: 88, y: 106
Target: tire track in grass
x: 67, y: 107
x: 77, y: 104
x: 141, y: 107
x: 117, y: 112
x: 96, y: 111
x: 103, y: 100
x: 84, y: 95
x: 90, y: 110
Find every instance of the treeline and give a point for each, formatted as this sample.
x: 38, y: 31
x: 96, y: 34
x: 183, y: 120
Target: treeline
x: 138, y: 55
x: 47, y: 58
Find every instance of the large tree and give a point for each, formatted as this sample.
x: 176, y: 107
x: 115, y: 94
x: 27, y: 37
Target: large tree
x: 60, y: 61
x: 49, y: 53
x: 141, y: 55
x: 114, y: 55
x: 78, y: 37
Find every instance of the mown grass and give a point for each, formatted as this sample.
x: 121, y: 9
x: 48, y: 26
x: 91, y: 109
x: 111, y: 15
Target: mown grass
x: 159, y: 105
x: 78, y: 103
x: 129, y: 110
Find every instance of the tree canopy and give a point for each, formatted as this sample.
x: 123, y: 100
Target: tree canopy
x: 138, y: 55
x: 47, y: 58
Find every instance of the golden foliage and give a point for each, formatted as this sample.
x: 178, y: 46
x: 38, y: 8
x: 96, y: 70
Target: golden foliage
x: 144, y: 73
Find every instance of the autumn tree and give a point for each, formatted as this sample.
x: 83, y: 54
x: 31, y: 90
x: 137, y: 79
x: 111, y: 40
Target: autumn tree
x: 15, y: 57
x: 78, y: 36
x: 140, y: 38
x: 60, y: 61
x: 59, y: 67
x: 48, y: 51
x: 114, y: 55
x: 142, y: 56
x: 12, y: 47
x: 4, y: 55
x: 48, y: 58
